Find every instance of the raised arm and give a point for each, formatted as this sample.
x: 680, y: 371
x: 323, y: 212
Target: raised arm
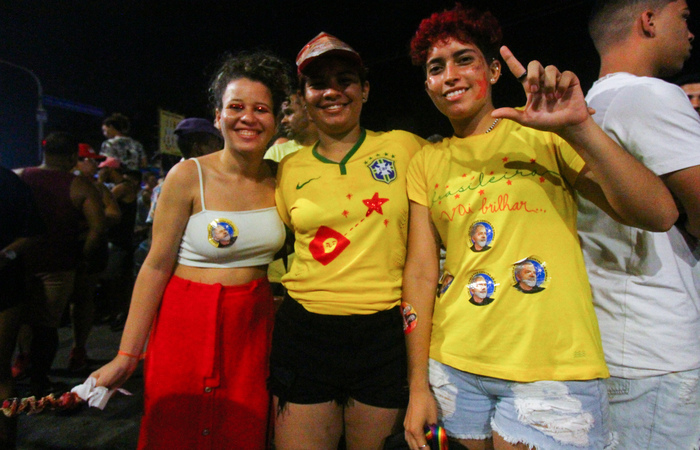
x: 613, y: 179
x: 419, y: 284
x: 175, y: 207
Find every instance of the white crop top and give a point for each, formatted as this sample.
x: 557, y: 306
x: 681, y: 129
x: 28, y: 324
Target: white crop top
x: 222, y: 239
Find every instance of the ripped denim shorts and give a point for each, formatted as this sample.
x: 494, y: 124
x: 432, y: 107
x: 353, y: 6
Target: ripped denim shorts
x: 570, y: 415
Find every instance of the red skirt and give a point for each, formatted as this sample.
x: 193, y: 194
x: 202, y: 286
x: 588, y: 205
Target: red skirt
x: 206, y: 367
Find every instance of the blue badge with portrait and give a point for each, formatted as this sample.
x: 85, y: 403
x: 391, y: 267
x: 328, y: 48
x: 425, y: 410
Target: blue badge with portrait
x: 222, y: 233
x: 481, y: 236
x: 529, y: 275
x: 383, y: 169
x: 481, y: 289
x: 446, y: 280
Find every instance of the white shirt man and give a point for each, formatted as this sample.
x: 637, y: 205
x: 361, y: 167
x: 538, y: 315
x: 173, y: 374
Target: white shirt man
x: 645, y: 285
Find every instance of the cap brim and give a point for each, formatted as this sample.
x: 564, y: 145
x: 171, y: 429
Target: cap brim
x: 336, y: 53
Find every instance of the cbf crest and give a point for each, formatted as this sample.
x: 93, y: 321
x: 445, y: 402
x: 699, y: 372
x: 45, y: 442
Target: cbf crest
x: 383, y: 169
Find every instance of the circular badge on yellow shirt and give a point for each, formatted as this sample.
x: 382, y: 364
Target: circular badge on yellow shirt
x: 222, y: 233
x: 529, y: 275
x: 481, y: 236
x: 481, y: 288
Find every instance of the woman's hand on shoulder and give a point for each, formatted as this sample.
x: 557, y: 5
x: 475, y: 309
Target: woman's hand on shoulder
x: 422, y: 411
x: 555, y: 100
x: 116, y: 372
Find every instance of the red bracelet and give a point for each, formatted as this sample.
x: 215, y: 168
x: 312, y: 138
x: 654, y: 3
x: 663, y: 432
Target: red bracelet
x: 120, y: 352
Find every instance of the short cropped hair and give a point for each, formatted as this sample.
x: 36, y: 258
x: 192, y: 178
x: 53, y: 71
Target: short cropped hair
x: 259, y: 66
x: 610, y: 21
x: 119, y: 122
x: 467, y: 25
x: 60, y: 143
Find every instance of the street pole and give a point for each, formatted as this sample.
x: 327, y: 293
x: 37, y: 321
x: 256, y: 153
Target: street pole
x: 41, y: 116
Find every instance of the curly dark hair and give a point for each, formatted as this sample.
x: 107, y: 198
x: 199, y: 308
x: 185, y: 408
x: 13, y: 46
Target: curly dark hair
x: 260, y: 66
x: 468, y: 25
x: 119, y: 121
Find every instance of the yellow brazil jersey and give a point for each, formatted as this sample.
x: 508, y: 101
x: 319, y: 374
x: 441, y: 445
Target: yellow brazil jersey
x: 350, y: 222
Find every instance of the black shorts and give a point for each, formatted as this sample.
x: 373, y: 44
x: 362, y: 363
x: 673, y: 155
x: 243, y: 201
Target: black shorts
x: 317, y: 358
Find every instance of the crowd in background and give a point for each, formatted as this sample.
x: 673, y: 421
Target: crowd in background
x: 430, y: 282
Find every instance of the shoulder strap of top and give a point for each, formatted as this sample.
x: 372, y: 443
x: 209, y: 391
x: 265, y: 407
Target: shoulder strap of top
x: 201, y: 182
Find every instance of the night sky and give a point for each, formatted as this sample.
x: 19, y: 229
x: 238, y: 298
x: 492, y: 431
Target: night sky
x: 134, y: 57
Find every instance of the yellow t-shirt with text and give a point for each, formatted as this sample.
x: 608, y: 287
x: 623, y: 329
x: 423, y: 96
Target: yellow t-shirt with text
x: 514, y: 302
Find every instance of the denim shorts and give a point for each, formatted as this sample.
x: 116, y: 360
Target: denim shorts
x: 570, y: 415
x: 656, y: 412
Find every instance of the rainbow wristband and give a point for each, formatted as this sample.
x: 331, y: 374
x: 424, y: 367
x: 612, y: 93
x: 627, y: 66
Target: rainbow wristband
x: 437, y: 437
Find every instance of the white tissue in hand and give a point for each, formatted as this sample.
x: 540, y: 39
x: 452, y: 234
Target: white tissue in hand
x: 96, y: 396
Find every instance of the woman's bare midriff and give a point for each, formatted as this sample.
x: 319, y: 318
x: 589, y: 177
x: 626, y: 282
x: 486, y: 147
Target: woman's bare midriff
x: 225, y: 276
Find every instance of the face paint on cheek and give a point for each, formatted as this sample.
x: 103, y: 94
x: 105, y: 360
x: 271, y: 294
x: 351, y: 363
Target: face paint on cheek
x: 483, y: 88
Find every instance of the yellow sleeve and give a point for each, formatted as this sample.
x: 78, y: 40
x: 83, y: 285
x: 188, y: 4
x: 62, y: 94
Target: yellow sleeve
x: 279, y: 194
x: 416, y: 180
x: 570, y: 162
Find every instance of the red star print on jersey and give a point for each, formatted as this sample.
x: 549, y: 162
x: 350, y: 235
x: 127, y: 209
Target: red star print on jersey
x: 374, y: 204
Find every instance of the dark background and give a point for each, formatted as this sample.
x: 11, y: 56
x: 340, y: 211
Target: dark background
x: 134, y: 57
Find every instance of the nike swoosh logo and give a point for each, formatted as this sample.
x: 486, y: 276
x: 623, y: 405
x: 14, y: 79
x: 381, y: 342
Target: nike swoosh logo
x: 299, y: 186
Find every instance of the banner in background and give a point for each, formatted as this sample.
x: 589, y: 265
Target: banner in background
x: 168, y: 141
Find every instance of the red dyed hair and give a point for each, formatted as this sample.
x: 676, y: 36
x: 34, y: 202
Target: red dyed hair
x: 467, y: 25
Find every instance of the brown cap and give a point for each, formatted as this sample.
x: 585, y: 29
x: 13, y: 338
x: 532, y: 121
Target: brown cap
x: 325, y: 45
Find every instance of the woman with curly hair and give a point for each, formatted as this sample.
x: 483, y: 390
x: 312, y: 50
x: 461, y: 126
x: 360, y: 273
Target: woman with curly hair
x: 208, y: 351
x: 524, y: 369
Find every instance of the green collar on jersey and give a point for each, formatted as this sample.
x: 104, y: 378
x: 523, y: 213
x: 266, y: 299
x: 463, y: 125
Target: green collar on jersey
x: 341, y: 164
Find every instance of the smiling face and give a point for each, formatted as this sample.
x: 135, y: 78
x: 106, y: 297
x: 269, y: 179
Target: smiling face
x: 334, y: 94
x: 458, y: 80
x: 673, y: 37
x: 246, y: 120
